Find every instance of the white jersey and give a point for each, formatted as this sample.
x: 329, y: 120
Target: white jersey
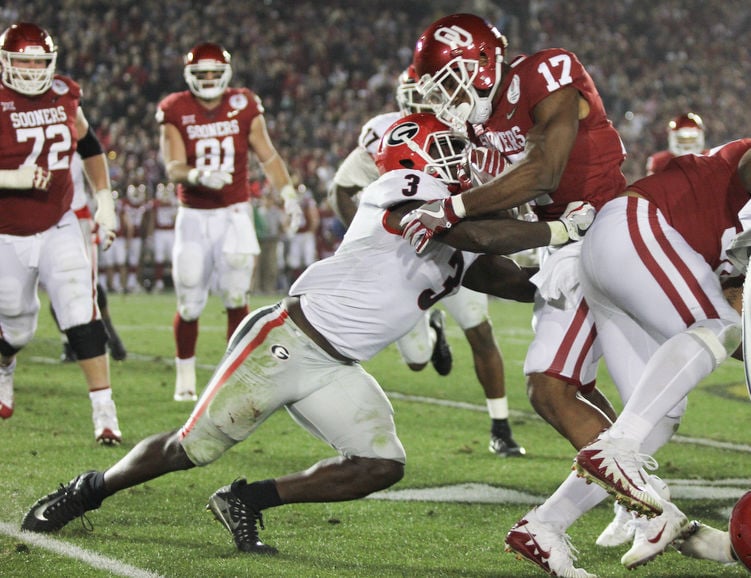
x: 375, y: 287
x: 359, y: 168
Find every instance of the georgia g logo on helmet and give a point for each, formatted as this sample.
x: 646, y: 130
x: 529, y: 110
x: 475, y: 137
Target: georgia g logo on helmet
x: 403, y: 134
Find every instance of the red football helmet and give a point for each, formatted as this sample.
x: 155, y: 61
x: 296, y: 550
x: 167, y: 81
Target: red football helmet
x: 203, y: 59
x: 23, y: 47
x: 422, y: 142
x: 459, y: 61
x: 407, y: 96
x: 740, y: 530
x: 686, y: 134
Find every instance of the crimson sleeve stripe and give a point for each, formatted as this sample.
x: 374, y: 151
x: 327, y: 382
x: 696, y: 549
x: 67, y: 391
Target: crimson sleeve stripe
x: 239, y: 357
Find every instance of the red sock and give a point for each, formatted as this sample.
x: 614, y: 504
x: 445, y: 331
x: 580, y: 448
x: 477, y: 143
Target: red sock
x: 186, y: 336
x: 234, y: 317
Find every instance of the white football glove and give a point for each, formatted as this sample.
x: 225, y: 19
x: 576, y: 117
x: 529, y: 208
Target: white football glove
x: 26, y: 177
x: 292, y: 208
x: 211, y: 179
x: 105, y: 217
x: 738, y: 251
x: 577, y: 218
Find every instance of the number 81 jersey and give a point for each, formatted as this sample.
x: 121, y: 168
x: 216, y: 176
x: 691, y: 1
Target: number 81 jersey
x: 215, y: 140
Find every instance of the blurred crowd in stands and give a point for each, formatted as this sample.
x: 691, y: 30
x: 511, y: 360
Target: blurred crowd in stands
x: 323, y: 68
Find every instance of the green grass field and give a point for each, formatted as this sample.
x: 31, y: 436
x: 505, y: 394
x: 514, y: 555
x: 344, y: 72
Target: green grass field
x: 161, y: 528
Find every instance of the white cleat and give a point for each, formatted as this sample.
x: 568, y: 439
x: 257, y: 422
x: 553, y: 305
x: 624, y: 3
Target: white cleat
x: 619, y: 531
x: 106, y: 428
x: 540, y: 544
x: 653, y: 536
x: 6, y: 390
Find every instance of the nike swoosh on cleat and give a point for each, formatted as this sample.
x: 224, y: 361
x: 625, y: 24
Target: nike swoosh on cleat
x: 39, y: 513
x: 658, y: 535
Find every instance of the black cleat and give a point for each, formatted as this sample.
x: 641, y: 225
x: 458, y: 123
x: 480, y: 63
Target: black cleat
x: 505, y: 448
x: 239, y: 518
x: 55, y: 510
x: 441, y: 358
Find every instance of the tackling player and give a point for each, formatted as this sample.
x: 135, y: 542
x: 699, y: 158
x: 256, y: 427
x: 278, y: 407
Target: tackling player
x: 427, y: 340
x: 303, y: 353
x: 42, y: 125
x: 206, y: 135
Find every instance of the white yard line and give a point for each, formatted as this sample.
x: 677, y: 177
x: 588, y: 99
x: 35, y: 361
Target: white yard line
x: 70, y: 551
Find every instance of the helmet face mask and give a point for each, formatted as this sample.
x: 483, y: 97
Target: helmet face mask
x: 686, y: 134
x: 28, y: 57
x: 408, y: 97
x: 207, y: 70
x: 422, y: 142
x: 459, y: 61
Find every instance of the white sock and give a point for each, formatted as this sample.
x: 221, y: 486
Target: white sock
x: 497, y: 407
x: 100, y: 396
x: 573, y: 498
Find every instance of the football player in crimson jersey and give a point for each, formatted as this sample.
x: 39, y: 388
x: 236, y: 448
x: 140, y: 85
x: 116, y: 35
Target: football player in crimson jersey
x: 42, y: 125
x: 651, y: 270
x: 685, y: 136
x: 544, y: 114
x: 303, y: 353
x: 206, y: 135
x: 427, y: 341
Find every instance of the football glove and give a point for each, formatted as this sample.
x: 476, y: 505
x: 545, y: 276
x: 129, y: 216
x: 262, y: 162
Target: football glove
x: 105, y: 217
x: 26, y: 177
x: 738, y: 251
x: 211, y: 179
x: 577, y: 218
x: 422, y: 223
x: 292, y: 208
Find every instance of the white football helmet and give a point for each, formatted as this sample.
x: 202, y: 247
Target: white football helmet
x: 136, y: 194
x: 203, y: 60
x: 408, y: 97
x: 686, y: 134
x: 20, y: 45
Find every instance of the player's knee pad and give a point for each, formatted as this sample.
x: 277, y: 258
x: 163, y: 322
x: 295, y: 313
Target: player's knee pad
x: 720, y: 336
x: 190, y: 309
x: 89, y: 340
x: 189, y: 265
x: 11, y: 297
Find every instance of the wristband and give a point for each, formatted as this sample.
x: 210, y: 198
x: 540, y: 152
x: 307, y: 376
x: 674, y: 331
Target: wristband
x: 457, y: 203
x: 558, y: 233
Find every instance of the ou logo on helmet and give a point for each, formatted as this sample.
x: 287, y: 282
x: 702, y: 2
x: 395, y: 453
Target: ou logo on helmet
x: 403, y: 134
x: 454, y: 36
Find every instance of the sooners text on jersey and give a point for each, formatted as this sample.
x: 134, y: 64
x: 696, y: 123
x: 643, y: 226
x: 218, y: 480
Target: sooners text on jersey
x: 214, y: 140
x: 38, y: 131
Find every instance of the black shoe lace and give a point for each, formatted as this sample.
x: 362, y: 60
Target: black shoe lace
x: 246, y: 518
x: 68, y: 507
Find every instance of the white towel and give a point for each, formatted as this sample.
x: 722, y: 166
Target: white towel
x: 558, y: 278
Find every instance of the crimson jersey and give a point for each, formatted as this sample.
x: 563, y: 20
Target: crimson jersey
x: 701, y: 196
x: 593, y: 172
x: 38, y: 130
x: 659, y: 160
x: 215, y: 140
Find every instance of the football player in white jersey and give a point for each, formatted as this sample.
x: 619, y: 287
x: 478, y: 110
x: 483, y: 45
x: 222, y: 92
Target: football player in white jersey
x: 427, y: 340
x: 303, y: 353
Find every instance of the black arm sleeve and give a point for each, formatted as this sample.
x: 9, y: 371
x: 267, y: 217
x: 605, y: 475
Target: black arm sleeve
x: 89, y: 145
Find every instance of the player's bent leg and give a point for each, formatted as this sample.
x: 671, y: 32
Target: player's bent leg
x: 558, y: 403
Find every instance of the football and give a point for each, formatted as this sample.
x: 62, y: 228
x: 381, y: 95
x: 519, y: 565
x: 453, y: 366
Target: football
x: 740, y: 530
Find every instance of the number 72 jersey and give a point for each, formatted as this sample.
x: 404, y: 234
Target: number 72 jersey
x: 593, y: 172
x: 38, y: 131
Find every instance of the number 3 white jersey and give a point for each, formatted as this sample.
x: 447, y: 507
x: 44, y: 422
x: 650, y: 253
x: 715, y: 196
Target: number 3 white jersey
x: 375, y: 288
